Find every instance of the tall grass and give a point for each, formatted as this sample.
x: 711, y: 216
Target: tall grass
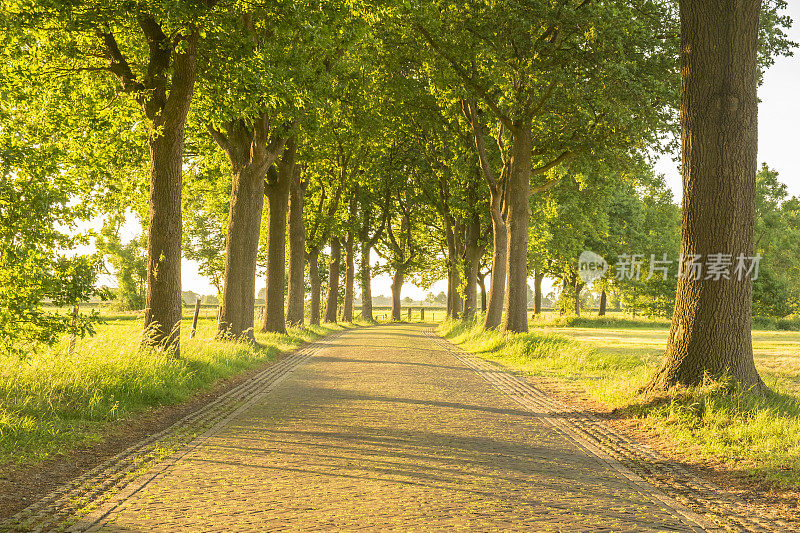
x: 753, y: 434
x: 51, y: 401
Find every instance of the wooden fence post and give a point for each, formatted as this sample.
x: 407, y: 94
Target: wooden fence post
x: 194, y: 320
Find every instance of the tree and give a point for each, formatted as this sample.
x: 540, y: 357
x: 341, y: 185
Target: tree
x: 129, y: 262
x: 710, y: 332
x: 33, y: 267
x: 150, y: 50
x: 571, y: 103
x: 776, y: 291
x: 206, y: 203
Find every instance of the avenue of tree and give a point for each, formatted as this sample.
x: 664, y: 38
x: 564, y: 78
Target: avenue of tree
x: 486, y: 143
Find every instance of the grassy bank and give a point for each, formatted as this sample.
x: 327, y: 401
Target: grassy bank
x: 752, y: 434
x: 52, y: 401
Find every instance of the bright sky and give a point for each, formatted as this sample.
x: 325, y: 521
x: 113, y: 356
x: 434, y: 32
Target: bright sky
x: 779, y: 119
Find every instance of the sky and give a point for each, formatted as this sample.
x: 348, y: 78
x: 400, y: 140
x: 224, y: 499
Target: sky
x: 778, y: 146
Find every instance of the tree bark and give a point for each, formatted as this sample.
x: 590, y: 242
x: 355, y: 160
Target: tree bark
x: 578, y: 288
x: 277, y: 193
x: 453, y: 275
x: 482, y: 285
x: 295, y: 309
x: 397, y: 285
x: 167, y: 114
x: 241, y: 249
x: 349, y: 278
x: 472, y: 256
x: 250, y: 154
x: 497, y: 282
x: 711, y: 325
x: 163, y: 303
x: 603, y: 303
x: 519, y: 213
x: 349, y: 260
x: 365, y: 274
x: 334, y: 262
x: 316, y: 285
x: 537, y: 293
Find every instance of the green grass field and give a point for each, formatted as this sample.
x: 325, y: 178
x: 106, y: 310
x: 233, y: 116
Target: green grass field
x: 613, y: 358
x: 52, y: 401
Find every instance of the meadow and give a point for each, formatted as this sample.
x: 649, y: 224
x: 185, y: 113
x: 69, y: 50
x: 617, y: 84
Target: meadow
x: 612, y: 358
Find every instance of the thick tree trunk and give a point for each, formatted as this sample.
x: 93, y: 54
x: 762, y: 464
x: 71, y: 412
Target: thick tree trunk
x: 349, y: 278
x: 241, y: 249
x: 603, y: 303
x: 519, y: 213
x: 167, y: 114
x: 397, y: 285
x: 365, y: 274
x: 472, y: 256
x: 497, y: 290
x: 482, y: 285
x: 295, y: 309
x: 710, y: 333
x: 278, y: 201
x: 316, y: 285
x: 537, y: 293
x: 334, y: 263
x: 163, y: 303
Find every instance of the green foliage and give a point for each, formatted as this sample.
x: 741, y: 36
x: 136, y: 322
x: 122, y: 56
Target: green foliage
x: 776, y: 292
x: 206, y: 203
x: 34, y: 267
x: 129, y: 262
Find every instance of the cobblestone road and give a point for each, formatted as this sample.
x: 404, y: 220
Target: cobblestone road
x: 384, y: 429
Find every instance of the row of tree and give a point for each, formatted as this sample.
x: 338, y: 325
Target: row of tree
x: 455, y: 139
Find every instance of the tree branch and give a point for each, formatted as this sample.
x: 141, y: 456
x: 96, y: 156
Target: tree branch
x: 119, y: 64
x: 468, y: 79
x: 471, y: 110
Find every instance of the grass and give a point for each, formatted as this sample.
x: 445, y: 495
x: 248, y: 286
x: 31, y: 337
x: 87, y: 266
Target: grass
x: 51, y: 401
x: 752, y: 434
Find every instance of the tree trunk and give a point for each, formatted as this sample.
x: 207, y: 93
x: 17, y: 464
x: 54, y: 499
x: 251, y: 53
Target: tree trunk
x: 365, y: 273
x: 397, y: 285
x: 316, y: 285
x: 349, y: 278
x: 494, y: 311
x: 295, y: 309
x: 482, y: 285
x: 519, y: 213
x: 167, y: 114
x: 453, y: 277
x: 250, y: 153
x: 537, y: 293
x: 472, y: 256
x: 710, y: 332
x: 241, y: 249
x: 578, y: 288
x: 278, y: 200
x: 334, y: 262
x: 163, y: 304
x: 603, y: 303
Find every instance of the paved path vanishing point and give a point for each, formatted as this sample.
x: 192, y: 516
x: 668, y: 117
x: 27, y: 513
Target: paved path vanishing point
x: 388, y: 428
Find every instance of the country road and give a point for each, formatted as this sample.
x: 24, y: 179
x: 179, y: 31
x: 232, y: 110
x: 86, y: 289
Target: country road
x: 385, y: 428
